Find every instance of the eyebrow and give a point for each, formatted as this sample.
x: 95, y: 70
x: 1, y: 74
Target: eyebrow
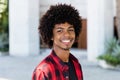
x: 63, y: 28
x: 71, y: 26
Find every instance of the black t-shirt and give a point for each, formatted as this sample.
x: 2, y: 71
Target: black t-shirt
x: 72, y: 73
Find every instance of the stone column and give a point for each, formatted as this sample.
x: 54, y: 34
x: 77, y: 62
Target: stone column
x: 99, y: 26
x: 23, y: 27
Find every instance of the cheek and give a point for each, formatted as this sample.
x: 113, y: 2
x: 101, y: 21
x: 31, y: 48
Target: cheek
x: 73, y: 35
x: 55, y: 37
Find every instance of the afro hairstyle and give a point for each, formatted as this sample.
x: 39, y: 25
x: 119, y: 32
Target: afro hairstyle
x: 58, y: 14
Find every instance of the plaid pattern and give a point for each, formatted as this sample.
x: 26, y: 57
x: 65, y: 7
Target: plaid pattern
x: 52, y: 68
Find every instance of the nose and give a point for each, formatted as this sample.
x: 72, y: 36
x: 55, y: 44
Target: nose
x: 66, y: 34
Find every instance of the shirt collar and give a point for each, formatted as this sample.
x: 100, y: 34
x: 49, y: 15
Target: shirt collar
x: 59, y: 62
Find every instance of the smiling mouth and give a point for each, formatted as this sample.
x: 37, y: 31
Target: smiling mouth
x: 66, y: 42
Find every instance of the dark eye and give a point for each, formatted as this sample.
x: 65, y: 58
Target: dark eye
x: 59, y: 30
x: 71, y: 29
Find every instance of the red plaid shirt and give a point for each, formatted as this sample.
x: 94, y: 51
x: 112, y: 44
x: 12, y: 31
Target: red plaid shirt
x: 52, y: 68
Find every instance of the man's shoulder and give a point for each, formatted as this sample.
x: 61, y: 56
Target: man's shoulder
x: 45, y: 63
x: 44, y: 67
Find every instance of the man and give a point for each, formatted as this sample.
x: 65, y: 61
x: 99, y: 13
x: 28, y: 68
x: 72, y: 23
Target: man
x: 59, y: 28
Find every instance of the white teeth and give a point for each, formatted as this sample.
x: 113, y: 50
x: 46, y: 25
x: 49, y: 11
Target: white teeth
x: 65, y: 40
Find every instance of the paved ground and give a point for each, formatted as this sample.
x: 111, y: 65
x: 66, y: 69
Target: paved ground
x: 21, y: 68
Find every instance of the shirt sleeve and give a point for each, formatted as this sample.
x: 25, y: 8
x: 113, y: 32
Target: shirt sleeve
x: 39, y: 75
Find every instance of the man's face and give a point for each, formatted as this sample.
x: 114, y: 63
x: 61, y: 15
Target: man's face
x: 63, y: 36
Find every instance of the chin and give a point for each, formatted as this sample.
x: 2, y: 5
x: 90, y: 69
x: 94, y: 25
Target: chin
x: 68, y: 48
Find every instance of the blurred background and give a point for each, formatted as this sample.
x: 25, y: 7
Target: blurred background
x: 97, y: 48
x: 4, y: 39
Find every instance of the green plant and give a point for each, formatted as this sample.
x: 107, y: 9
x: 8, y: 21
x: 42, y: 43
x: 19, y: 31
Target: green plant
x: 112, y: 53
x: 4, y: 42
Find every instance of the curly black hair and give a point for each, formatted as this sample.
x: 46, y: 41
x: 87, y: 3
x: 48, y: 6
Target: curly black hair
x: 57, y: 14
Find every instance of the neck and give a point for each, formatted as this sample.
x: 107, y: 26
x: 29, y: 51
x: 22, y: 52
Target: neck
x: 62, y: 54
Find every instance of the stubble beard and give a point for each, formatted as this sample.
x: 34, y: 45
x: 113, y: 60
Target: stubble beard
x: 66, y: 49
